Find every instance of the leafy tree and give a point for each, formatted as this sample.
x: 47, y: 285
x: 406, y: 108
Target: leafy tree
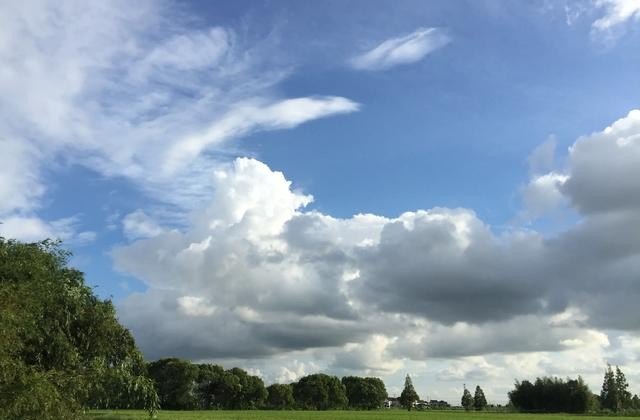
x: 479, y: 400
x: 552, y: 395
x: 609, y: 395
x: 250, y: 393
x: 635, y: 402
x: 319, y: 392
x: 209, y: 377
x: 467, y: 399
x: 409, y: 395
x: 622, y: 387
x: 61, y: 348
x: 175, y: 380
x: 280, y: 397
x: 364, y: 393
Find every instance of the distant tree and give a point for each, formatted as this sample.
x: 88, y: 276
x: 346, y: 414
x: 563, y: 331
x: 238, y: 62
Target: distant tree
x: 319, y: 392
x: 467, y: 399
x: 364, y: 393
x: 479, y: 400
x: 552, y: 395
x: 280, y: 397
x: 207, y: 382
x: 609, y: 395
x: 623, y: 389
x: 175, y: 381
x: 409, y: 395
x: 635, y: 402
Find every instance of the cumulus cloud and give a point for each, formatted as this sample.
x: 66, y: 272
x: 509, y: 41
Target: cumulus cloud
x: 605, y: 175
x: 256, y: 274
x: 370, y: 357
x: 542, y: 195
x: 402, y: 50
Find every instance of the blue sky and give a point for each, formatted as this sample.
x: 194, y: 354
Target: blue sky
x: 478, y: 123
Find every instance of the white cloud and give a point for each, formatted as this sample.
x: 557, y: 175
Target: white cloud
x: 20, y: 186
x: 616, y: 12
x: 139, y: 225
x: 374, y: 295
x: 370, y: 357
x: 247, y: 117
x: 33, y: 229
x: 402, y: 50
x: 139, y: 92
x: 543, y: 196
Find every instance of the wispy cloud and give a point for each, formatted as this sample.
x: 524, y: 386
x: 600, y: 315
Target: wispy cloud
x: 403, y: 50
x: 616, y: 13
x: 140, y: 94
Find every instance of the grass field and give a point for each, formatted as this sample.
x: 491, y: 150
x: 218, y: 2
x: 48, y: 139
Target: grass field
x: 329, y: 415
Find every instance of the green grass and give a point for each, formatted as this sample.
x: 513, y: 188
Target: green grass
x: 328, y: 415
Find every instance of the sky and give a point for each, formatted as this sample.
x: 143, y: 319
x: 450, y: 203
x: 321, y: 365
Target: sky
x: 449, y: 190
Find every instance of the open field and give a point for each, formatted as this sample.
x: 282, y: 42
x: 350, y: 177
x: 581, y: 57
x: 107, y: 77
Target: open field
x: 329, y: 415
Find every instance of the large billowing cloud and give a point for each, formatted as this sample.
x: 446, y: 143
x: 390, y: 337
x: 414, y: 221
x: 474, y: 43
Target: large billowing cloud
x: 256, y: 275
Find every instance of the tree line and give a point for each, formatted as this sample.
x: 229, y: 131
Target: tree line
x: 182, y: 385
x: 550, y: 394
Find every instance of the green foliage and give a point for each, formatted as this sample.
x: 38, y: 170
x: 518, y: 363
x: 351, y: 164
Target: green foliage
x: 206, y: 383
x: 615, y: 395
x: 185, y: 386
x: 61, y: 348
x: 175, y: 381
x: 364, y: 393
x: 280, y: 397
x: 467, y: 399
x: 553, y: 395
x: 609, y: 397
x: 409, y: 395
x: 319, y: 392
x: 479, y: 400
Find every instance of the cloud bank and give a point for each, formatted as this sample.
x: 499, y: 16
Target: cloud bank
x: 256, y: 275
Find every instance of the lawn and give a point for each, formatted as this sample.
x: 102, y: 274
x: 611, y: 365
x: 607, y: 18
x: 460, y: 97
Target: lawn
x: 327, y: 415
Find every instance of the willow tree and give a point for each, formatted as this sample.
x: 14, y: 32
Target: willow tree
x: 62, y: 349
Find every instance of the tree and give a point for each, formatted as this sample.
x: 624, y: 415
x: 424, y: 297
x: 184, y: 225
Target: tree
x: 609, y: 396
x: 209, y: 377
x: 232, y: 389
x: 319, y: 392
x: 62, y: 348
x: 622, y: 387
x: 280, y: 397
x: 479, y: 401
x: 552, y: 395
x: 409, y: 396
x: 364, y: 393
x: 175, y: 381
x: 467, y: 399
